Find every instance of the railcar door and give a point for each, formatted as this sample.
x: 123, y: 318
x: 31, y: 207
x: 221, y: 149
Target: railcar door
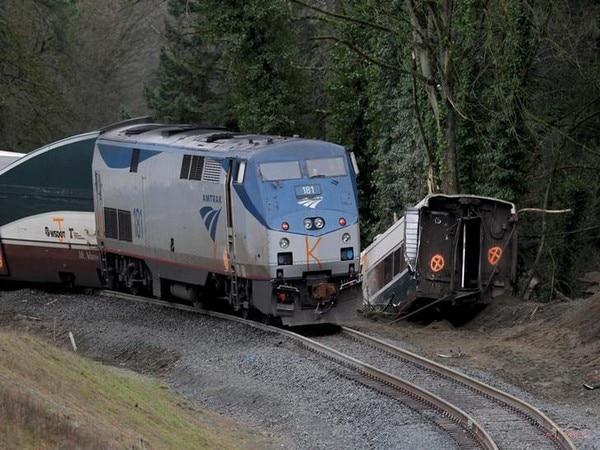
x: 469, y: 254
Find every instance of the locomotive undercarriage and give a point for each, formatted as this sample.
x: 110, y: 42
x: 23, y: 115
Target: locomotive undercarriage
x: 122, y: 272
x: 296, y: 302
x: 315, y: 296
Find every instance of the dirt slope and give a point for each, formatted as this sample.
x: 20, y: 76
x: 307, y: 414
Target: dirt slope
x: 548, y: 349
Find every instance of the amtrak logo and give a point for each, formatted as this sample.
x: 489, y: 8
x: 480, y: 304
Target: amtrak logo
x: 311, y: 202
x: 211, y: 218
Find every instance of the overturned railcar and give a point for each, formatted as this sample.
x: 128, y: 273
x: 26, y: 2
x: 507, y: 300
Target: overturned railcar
x: 447, y: 250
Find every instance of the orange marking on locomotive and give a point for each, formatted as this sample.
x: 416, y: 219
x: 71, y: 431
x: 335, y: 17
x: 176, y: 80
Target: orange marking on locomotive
x: 309, y: 253
x: 225, y: 260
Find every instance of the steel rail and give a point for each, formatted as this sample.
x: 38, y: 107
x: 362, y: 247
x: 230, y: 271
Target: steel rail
x: 537, y: 417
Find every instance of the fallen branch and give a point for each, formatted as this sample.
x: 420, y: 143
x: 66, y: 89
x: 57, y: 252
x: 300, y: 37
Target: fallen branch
x: 545, y: 211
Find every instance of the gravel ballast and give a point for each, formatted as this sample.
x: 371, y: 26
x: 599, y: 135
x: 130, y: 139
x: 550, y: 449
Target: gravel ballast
x: 252, y: 376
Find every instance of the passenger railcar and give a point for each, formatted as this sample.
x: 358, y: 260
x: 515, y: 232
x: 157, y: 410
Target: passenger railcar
x: 47, y: 222
x: 453, y: 249
x: 265, y: 223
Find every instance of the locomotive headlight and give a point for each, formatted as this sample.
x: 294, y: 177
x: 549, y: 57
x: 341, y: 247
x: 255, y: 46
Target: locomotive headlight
x: 346, y: 238
x: 308, y: 224
x: 346, y: 254
x: 284, y: 243
x: 319, y: 223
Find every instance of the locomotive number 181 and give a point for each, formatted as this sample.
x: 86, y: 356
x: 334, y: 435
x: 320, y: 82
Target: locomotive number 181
x: 308, y: 190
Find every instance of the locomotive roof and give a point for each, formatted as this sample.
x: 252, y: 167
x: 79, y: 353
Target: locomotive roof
x: 193, y: 137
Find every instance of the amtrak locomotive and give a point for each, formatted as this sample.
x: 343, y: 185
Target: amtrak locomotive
x: 267, y: 224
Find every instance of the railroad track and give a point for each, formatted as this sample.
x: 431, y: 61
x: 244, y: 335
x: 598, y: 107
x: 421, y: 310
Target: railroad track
x: 455, y: 402
x: 511, y: 422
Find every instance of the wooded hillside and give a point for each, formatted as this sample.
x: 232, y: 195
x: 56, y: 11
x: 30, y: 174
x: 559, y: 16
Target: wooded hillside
x: 491, y: 98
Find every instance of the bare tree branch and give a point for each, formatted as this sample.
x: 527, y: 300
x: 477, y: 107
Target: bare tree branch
x: 375, y: 61
x: 346, y: 18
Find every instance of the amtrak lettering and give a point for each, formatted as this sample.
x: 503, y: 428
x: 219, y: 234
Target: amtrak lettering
x: 212, y: 198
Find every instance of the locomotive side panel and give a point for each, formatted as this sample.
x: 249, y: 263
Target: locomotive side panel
x: 250, y: 247
x: 172, y: 222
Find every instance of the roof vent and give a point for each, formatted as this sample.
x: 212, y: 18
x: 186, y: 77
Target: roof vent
x: 219, y: 136
x: 173, y: 130
x: 141, y: 129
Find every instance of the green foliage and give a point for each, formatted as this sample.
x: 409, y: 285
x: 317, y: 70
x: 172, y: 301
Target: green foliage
x: 233, y: 63
x: 31, y: 67
x: 493, y: 150
x: 371, y: 113
x: 400, y: 175
x: 347, y: 118
x: 68, y: 66
x: 190, y: 83
x: 184, y: 93
x: 266, y: 88
x: 564, y: 118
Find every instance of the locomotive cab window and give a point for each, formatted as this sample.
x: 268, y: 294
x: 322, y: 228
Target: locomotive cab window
x: 278, y: 171
x: 326, y: 167
x: 240, y: 168
x: 135, y: 160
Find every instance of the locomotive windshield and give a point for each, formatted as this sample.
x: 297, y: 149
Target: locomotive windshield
x: 277, y: 171
x: 326, y: 167
x: 290, y: 170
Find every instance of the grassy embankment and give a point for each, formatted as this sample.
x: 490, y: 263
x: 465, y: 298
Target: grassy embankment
x: 51, y: 398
